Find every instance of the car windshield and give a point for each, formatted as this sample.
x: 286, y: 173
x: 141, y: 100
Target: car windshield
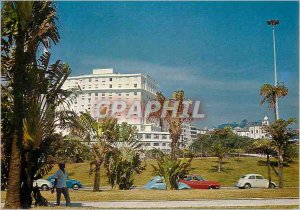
x: 242, y: 177
x: 199, y: 178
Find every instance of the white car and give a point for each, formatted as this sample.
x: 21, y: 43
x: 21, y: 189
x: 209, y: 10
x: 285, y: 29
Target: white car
x: 254, y: 180
x: 43, y: 184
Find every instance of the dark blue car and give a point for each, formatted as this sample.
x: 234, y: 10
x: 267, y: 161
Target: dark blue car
x: 71, y: 183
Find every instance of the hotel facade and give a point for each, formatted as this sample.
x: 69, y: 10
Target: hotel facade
x: 105, y: 85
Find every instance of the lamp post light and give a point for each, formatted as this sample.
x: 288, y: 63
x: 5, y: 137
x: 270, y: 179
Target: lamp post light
x: 273, y: 23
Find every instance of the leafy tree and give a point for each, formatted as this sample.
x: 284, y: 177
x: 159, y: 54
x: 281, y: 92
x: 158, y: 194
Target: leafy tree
x: 272, y: 93
x: 198, y: 144
x: 123, y: 158
x: 265, y: 146
x: 281, y: 135
x: 219, y: 147
x: 72, y: 149
x: 99, y: 134
x: 35, y: 90
x: 171, y: 170
x: 173, y: 121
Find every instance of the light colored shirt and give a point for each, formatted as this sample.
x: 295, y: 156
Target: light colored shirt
x: 61, y: 178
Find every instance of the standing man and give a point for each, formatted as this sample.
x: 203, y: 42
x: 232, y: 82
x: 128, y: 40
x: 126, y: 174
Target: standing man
x: 60, y: 184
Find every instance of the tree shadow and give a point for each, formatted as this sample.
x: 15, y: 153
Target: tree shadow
x: 63, y: 204
x: 223, y: 163
x: 272, y: 163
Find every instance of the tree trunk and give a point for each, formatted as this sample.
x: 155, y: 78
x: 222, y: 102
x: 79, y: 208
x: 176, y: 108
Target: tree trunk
x: 14, y: 178
x: 220, y: 165
x: 97, y: 179
x: 26, y: 188
x: 173, y: 148
x: 269, y: 170
x: 280, y: 167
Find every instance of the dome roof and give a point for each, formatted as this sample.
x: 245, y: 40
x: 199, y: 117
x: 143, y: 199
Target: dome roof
x: 266, y: 118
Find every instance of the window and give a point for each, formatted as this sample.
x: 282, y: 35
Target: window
x: 256, y: 131
x: 96, y: 94
x: 110, y: 79
x: 96, y: 80
x: 135, y: 85
x: 90, y: 79
x: 164, y: 144
x: 135, y: 93
x: 187, y: 178
x: 259, y: 177
x: 127, y: 94
x: 251, y: 177
x: 89, y: 94
x: 148, y: 136
x: 147, y: 144
x: 103, y: 94
x: 156, y: 136
x: 155, y: 144
x: 110, y: 86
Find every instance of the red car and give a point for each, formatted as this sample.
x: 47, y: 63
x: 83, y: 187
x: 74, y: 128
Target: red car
x: 197, y: 182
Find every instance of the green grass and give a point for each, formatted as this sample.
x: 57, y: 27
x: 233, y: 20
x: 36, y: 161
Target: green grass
x: 122, y: 195
x: 232, y: 170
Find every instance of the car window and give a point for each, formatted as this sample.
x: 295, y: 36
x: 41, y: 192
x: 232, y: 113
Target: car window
x: 259, y: 177
x: 199, y: 178
x: 187, y: 178
x: 242, y: 177
x: 251, y: 177
x: 159, y: 181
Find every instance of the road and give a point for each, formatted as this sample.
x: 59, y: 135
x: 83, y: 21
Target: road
x: 187, y: 204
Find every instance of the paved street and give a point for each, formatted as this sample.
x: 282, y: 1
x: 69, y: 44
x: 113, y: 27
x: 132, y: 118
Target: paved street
x: 186, y: 204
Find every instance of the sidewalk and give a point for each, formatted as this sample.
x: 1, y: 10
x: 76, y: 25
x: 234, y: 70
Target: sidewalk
x: 185, y: 204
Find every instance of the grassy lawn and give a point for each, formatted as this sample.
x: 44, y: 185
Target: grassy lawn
x: 205, y: 167
x: 109, y: 195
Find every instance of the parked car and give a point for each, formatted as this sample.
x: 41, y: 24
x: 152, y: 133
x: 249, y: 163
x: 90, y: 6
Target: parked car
x: 71, y: 183
x: 43, y: 184
x: 198, y: 182
x: 253, y: 180
x: 158, y: 183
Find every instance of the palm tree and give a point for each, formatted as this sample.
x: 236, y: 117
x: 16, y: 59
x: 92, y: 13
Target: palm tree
x: 172, y: 121
x: 281, y: 135
x: 219, y: 148
x: 171, y: 169
x: 99, y: 135
x: 272, y: 93
x: 25, y: 26
x: 265, y: 146
x: 123, y: 158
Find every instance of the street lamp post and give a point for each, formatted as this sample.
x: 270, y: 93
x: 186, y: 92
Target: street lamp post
x: 273, y: 23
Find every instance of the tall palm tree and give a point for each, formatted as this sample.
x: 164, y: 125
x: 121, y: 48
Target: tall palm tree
x: 172, y: 121
x: 25, y: 26
x: 272, y: 93
x: 281, y: 135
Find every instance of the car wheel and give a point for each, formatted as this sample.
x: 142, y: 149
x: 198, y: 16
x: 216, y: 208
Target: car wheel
x: 75, y: 187
x: 44, y: 187
x: 272, y: 185
x: 211, y: 187
x: 247, y: 186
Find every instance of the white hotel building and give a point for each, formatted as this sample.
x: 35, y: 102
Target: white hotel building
x: 104, y: 84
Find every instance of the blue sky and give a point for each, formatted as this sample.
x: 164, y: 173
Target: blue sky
x: 217, y: 52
